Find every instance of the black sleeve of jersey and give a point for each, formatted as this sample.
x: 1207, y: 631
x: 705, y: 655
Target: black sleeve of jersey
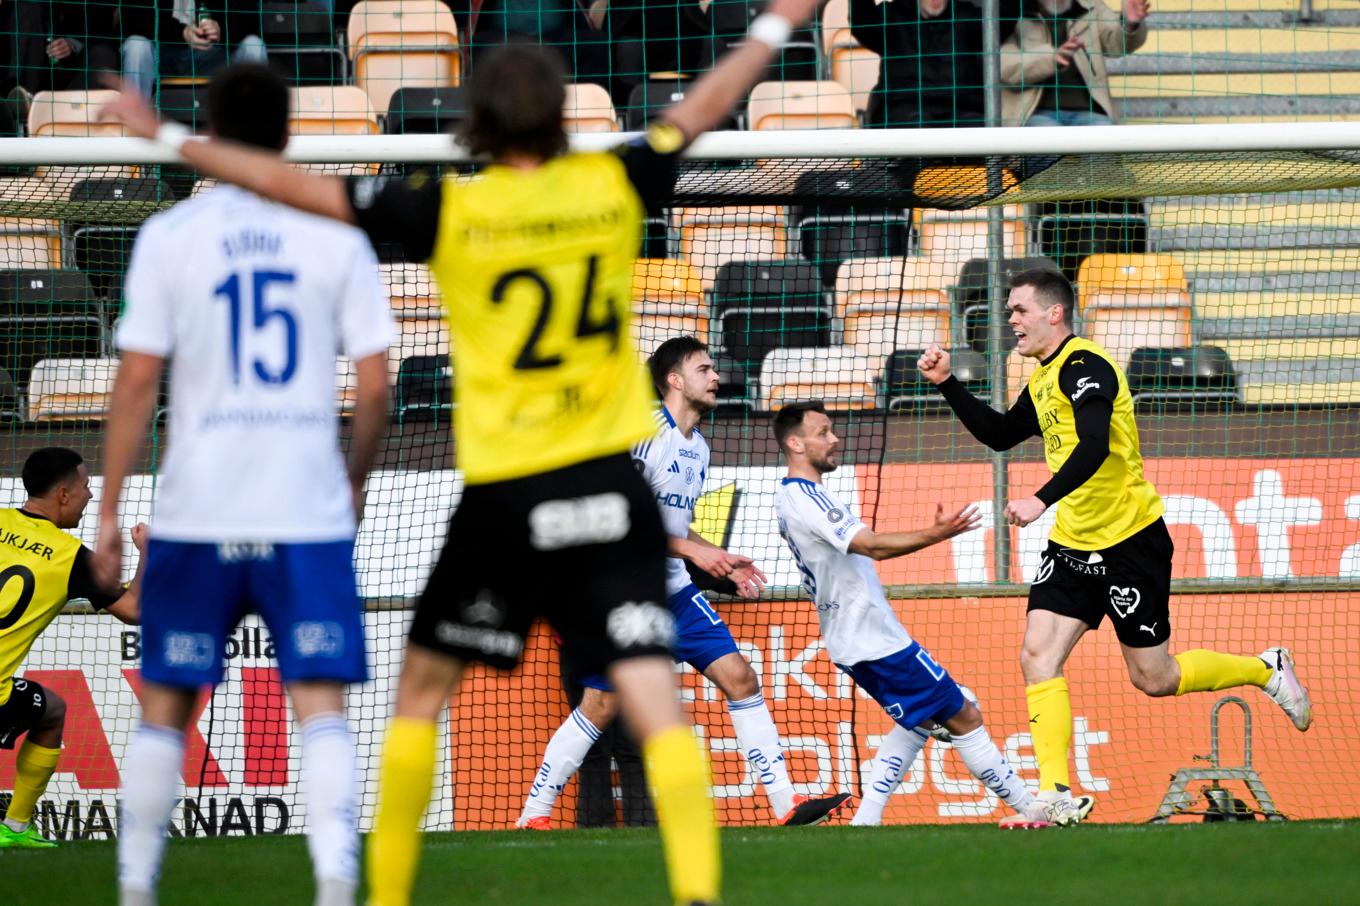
x: 402, y: 212
x: 998, y: 430
x: 1093, y: 446
x: 706, y: 582
x: 1087, y: 377
x: 652, y: 163
x: 81, y: 584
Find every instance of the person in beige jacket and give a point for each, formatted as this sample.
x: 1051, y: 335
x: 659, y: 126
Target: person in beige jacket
x: 1053, y: 65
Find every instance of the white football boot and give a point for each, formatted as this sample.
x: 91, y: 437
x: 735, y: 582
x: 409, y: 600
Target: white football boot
x: 1285, y: 689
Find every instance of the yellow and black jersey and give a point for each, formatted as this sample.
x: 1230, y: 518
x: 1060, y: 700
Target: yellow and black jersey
x: 1078, y: 401
x: 41, y: 568
x: 536, y: 271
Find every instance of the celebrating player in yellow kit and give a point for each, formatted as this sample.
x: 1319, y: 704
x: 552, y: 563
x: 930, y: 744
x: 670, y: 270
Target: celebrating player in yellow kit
x: 1110, y: 551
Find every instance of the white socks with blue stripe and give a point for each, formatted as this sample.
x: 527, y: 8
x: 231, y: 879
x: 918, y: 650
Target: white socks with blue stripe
x: 151, y: 768
x: 329, y: 781
x: 564, y: 754
x: 759, y: 742
x: 892, y: 761
x: 987, y: 764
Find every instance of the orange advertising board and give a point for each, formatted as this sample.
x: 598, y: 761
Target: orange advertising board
x: 1125, y: 746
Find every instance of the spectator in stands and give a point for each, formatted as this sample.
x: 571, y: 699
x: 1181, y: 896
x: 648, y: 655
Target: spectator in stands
x: 930, y: 73
x: 564, y: 24
x: 176, y: 38
x: 56, y: 45
x: 1054, y: 63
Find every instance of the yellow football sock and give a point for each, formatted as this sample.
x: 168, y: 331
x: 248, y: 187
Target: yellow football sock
x: 33, y: 767
x: 679, y: 777
x: 1208, y: 671
x: 405, y: 779
x: 1050, y: 726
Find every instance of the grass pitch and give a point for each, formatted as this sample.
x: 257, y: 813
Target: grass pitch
x: 1297, y: 862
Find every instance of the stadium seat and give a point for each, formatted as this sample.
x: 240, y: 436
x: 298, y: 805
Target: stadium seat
x: 71, y: 389
x: 886, y: 304
x: 411, y: 290
x: 853, y: 66
x: 1018, y: 370
x: 710, y: 237
x: 838, y: 224
x: 961, y: 187
x: 346, y: 384
x: 68, y: 113
x: 649, y: 98
x: 765, y: 305
x: 102, y: 250
x: 837, y: 375
x: 1190, y: 379
x: 668, y: 301
x: 422, y: 335
x: 331, y: 110
x: 1129, y: 302
x: 424, y: 389
x: 402, y: 43
x: 10, y: 410
x: 47, y: 315
x: 183, y: 104
x: 425, y: 110
x: 589, y: 109
x: 300, y: 37
x: 1069, y: 231
x: 958, y: 236
x: 970, y: 297
x: 27, y: 242
x: 800, y: 105
x: 905, y: 389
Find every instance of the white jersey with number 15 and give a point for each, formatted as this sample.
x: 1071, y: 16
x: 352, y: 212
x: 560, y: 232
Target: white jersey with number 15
x: 251, y: 302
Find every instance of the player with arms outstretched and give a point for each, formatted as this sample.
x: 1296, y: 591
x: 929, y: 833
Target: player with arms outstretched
x: 675, y: 463
x: 256, y: 511
x: 41, y: 568
x: 1109, y: 552
x: 835, y: 553
x: 534, y: 260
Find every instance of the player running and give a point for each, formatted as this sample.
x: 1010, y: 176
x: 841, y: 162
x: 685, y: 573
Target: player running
x: 534, y: 260
x: 41, y: 568
x: 256, y: 509
x: 835, y: 553
x: 1109, y: 552
x: 675, y: 464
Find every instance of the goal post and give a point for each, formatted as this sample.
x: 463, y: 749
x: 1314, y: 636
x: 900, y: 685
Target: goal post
x: 1220, y: 265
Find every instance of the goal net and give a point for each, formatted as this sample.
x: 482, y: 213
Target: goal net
x: 1218, y: 265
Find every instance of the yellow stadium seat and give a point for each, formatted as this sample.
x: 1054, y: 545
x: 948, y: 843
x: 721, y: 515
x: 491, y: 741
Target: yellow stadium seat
x: 710, y: 237
x: 956, y: 185
x: 959, y: 236
x: 856, y: 68
x: 69, y: 113
x: 837, y: 375
x: 800, y: 105
x: 836, y: 25
x: 668, y: 301
x: 1132, y: 273
x: 885, y: 304
x: 402, y: 43
x: 589, y: 109
x: 410, y: 289
x: 331, y: 110
x: 26, y: 242
x: 427, y: 334
x: 70, y: 389
x: 1018, y: 370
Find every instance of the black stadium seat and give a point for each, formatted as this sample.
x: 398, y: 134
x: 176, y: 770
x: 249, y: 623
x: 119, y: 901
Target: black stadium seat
x: 763, y: 305
x: 47, y: 314
x: 425, y: 110
x: 424, y: 389
x: 102, y: 249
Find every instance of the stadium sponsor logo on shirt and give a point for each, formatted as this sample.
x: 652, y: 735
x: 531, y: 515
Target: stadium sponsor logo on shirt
x: 834, y: 515
x: 1124, y: 600
x: 598, y: 519
x: 634, y: 624
x: 677, y: 501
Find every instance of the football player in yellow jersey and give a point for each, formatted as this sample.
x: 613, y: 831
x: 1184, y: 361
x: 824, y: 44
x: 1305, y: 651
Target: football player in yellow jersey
x: 1109, y: 552
x: 534, y: 260
x: 41, y: 568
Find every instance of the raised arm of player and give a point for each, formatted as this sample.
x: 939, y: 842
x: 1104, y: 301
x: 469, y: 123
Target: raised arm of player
x: 717, y: 92
x: 886, y: 545
x: 130, y: 407
x: 262, y: 172
x: 998, y: 430
x: 128, y: 607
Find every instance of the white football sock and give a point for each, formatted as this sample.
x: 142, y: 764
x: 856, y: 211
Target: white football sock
x: 759, y: 742
x: 987, y: 764
x: 328, y: 783
x: 892, y: 761
x: 564, y: 754
x: 151, y: 769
